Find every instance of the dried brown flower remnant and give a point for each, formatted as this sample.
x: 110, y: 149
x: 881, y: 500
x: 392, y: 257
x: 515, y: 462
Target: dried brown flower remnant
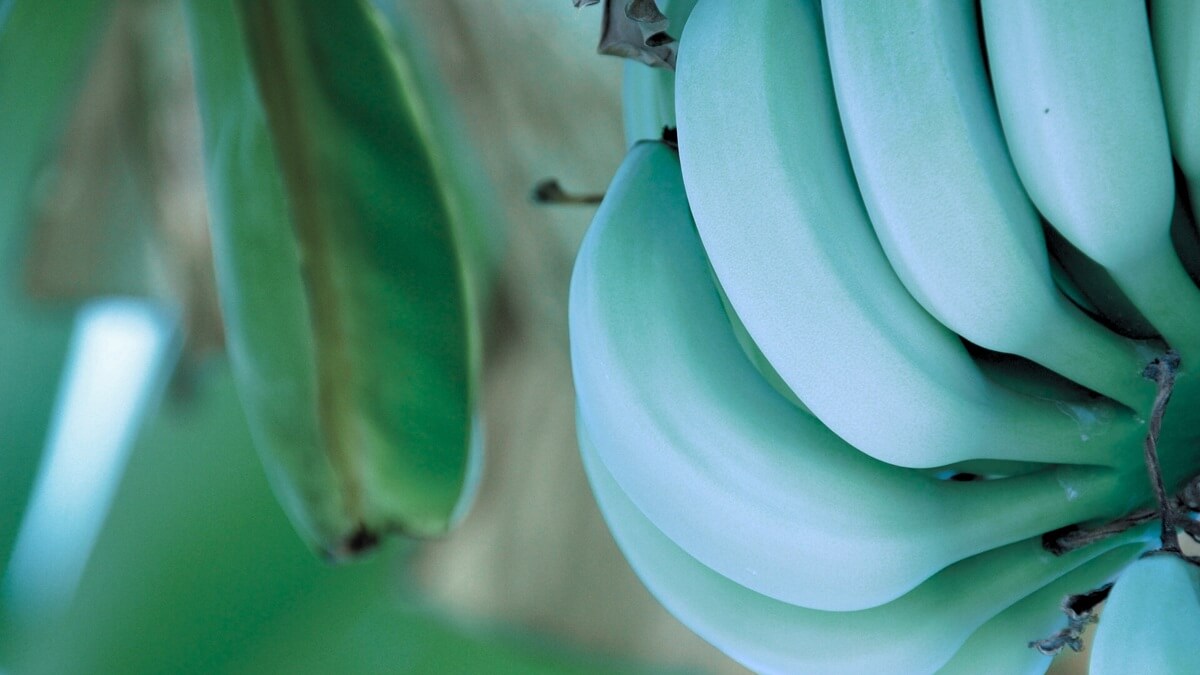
x: 635, y: 29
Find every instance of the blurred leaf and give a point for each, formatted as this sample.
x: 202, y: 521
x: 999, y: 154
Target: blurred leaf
x: 345, y: 301
x: 194, y: 558
x: 121, y: 352
x: 43, y: 48
x: 538, y: 102
x: 120, y: 208
x: 407, y: 638
x: 197, y: 571
x: 88, y: 218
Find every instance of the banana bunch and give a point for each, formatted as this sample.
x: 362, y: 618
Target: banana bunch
x: 881, y: 321
x: 349, y: 313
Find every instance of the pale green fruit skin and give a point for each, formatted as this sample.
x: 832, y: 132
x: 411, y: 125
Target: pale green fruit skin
x: 944, y: 197
x: 1082, y: 111
x: 799, y: 542
x: 1151, y: 621
x: 917, y: 633
x: 759, y: 490
x: 1080, y: 103
x: 1001, y: 646
x: 1175, y: 29
x: 810, y: 311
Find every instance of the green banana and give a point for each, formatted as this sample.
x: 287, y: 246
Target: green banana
x: 1096, y: 285
x: 916, y: 633
x: 1175, y: 26
x: 648, y: 94
x: 1001, y: 646
x: 751, y: 350
x: 1186, y: 238
x: 1151, y: 620
x: 1081, y: 108
x: 760, y: 144
x: 791, y: 442
x: 787, y: 509
x: 944, y: 198
x: 350, y: 327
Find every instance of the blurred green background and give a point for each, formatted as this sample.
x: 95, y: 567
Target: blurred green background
x: 193, y: 567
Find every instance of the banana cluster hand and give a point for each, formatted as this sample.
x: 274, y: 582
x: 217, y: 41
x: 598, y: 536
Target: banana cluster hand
x: 875, y: 264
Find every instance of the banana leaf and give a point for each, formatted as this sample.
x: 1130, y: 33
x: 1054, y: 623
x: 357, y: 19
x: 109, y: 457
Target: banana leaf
x: 349, y: 318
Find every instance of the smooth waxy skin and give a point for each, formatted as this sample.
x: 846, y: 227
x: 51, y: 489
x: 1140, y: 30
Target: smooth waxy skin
x: 943, y: 195
x: 787, y: 508
x: 775, y: 201
x: 347, y: 317
x: 753, y: 521
x: 916, y: 633
x: 1175, y: 30
x: 1080, y: 104
x: 1001, y: 646
x: 1151, y: 620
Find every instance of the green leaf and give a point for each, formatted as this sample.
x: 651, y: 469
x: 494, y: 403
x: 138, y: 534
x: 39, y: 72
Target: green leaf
x: 349, y: 321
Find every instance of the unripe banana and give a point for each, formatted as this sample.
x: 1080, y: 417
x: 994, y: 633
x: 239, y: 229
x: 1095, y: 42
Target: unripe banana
x: 916, y: 633
x: 766, y: 413
x: 776, y: 204
x: 944, y: 198
x: 1080, y: 103
x: 1151, y: 621
x: 1002, y: 645
x: 349, y: 325
x: 1175, y: 26
x: 731, y: 471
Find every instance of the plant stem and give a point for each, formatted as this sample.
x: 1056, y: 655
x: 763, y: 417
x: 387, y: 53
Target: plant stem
x: 1162, y: 371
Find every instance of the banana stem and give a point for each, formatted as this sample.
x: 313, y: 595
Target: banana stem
x: 1170, y: 509
x: 549, y: 191
x: 1070, y: 538
x: 1162, y: 371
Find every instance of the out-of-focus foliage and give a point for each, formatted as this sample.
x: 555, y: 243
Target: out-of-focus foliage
x: 43, y: 48
x: 349, y: 326
x: 537, y: 102
x: 197, y: 569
